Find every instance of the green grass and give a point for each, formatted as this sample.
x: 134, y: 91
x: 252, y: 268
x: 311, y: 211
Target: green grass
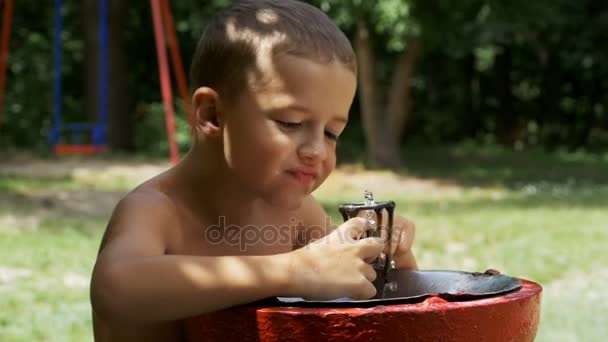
x: 528, y: 214
x: 51, y: 302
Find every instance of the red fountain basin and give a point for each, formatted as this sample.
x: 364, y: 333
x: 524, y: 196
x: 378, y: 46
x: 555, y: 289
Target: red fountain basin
x: 513, y: 316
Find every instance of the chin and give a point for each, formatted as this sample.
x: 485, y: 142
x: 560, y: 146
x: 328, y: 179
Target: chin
x: 287, y: 201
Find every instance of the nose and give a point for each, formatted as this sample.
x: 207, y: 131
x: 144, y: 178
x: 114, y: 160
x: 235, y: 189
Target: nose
x: 313, y: 150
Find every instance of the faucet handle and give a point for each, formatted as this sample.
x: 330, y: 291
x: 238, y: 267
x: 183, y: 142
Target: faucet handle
x: 384, y: 262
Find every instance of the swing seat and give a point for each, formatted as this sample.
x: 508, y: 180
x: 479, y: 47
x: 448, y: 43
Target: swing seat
x: 64, y: 149
x: 80, y: 137
x: 97, y: 132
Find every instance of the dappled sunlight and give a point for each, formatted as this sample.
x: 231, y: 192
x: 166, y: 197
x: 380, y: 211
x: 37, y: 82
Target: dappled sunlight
x: 17, y: 222
x: 11, y: 274
x: 241, y: 276
x: 347, y: 183
x: 96, y: 173
x: 574, y: 303
x: 238, y: 272
x: 34, y: 206
x: 34, y: 190
x: 267, y: 16
x: 76, y: 281
x: 116, y: 175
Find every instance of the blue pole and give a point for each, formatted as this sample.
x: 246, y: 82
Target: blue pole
x: 57, y: 90
x: 99, y: 133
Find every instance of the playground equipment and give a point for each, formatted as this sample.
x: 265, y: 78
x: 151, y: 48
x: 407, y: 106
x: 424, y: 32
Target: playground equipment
x: 161, y: 14
x: 97, y: 130
x: 7, y: 17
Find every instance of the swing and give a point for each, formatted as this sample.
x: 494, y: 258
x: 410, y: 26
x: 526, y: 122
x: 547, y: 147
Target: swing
x: 164, y: 32
x: 97, y: 130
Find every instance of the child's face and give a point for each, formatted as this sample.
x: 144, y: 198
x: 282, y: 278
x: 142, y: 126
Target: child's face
x: 280, y: 138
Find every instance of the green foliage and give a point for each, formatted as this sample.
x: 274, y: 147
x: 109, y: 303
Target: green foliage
x: 541, y: 61
x: 391, y: 18
x: 151, y: 135
x: 394, y: 18
x: 28, y: 93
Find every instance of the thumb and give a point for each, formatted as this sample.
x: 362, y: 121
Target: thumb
x: 370, y: 248
x: 353, y: 228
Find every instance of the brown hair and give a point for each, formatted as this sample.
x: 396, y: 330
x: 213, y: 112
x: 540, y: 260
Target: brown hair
x: 229, y: 48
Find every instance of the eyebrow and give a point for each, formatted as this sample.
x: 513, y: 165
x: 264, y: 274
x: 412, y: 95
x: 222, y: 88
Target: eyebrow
x: 299, y: 108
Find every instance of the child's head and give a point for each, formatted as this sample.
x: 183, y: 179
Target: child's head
x: 274, y: 83
x: 239, y: 39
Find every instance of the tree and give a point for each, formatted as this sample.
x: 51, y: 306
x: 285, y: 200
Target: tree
x: 385, y: 97
x: 120, y: 104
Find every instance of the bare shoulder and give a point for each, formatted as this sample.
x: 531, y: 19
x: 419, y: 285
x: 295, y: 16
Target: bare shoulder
x: 316, y: 223
x: 140, y: 227
x: 140, y: 224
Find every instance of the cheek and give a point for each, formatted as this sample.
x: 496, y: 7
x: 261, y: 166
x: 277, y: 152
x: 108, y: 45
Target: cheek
x: 329, y: 164
x: 257, y: 151
x: 272, y: 149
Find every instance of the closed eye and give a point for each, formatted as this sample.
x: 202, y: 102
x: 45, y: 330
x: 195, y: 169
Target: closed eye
x: 331, y: 136
x: 295, y: 125
x: 287, y: 124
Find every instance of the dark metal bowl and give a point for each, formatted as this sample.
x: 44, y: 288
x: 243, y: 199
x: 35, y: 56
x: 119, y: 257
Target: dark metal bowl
x: 415, y: 286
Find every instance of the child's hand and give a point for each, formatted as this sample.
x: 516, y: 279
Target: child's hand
x: 402, y: 240
x: 337, y: 265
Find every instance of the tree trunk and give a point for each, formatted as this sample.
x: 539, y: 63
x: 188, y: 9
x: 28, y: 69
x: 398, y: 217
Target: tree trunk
x: 383, y: 125
x: 507, y: 117
x: 368, y: 92
x: 400, y: 100
x: 472, y: 106
x: 586, y: 96
x: 120, y: 121
x: 120, y: 113
x: 549, y: 111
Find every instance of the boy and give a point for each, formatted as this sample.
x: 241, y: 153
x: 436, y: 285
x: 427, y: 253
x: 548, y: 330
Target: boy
x: 274, y: 83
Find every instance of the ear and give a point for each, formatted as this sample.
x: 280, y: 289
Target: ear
x: 207, y: 112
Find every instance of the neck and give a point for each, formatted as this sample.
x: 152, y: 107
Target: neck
x: 212, y: 190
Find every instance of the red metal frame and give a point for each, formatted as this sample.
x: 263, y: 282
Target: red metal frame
x: 176, y: 57
x: 165, y: 78
x: 4, y: 49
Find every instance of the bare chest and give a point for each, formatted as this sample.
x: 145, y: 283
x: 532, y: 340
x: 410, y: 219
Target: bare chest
x: 261, y: 237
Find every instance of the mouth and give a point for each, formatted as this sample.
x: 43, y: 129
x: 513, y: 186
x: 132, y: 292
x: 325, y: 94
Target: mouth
x: 303, y: 177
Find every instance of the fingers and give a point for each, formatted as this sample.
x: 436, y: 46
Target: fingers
x: 353, y: 228
x: 403, y: 256
x: 406, y: 261
x: 366, y: 291
x: 408, y: 233
x: 370, y: 248
x: 368, y: 271
x: 403, y: 235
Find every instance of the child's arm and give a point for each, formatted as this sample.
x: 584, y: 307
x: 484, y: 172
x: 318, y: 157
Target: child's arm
x: 134, y: 280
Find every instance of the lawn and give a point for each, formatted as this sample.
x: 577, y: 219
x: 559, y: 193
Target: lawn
x: 529, y: 214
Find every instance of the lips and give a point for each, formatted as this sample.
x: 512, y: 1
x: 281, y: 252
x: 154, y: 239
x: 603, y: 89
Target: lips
x: 303, y: 175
